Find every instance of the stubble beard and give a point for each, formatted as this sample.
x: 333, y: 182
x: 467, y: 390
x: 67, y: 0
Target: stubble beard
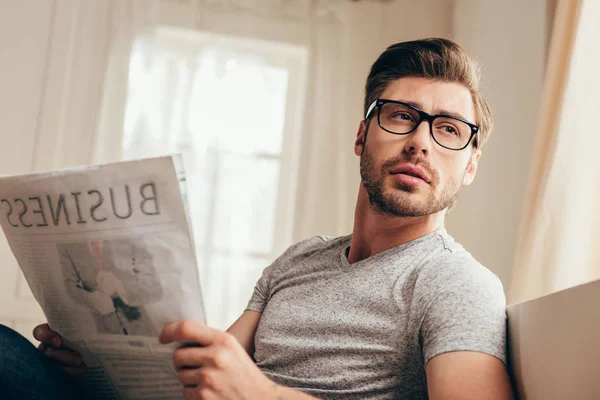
x: 400, y: 200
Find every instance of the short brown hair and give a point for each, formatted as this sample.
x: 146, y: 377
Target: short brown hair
x: 433, y: 58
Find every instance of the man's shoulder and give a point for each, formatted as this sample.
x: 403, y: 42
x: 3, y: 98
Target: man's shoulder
x: 456, y: 269
x: 460, y: 269
x: 312, y: 245
x: 455, y: 259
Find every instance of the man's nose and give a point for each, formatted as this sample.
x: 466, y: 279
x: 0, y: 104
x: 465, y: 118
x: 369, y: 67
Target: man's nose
x: 419, y: 141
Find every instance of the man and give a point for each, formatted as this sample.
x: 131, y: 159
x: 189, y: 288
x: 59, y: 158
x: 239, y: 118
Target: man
x: 398, y: 309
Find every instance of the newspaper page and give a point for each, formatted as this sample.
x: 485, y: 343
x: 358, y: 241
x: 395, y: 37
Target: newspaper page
x: 107, y: 252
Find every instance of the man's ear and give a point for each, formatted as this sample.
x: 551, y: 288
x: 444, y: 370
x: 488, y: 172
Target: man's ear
x: 471, y: 168
x: 359, y: 144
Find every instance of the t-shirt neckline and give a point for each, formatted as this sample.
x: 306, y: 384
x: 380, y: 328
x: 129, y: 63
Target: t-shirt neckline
x: 386, y: 253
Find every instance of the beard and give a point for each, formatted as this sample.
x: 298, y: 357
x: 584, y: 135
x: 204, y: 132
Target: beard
x: 397, y: 201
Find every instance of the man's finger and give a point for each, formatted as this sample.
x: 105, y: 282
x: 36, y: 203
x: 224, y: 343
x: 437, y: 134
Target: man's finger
x: 44, y: 334
x: 188, y: 331
x: 68, y: 357
x: 190, y: 376
x: 191, y: 357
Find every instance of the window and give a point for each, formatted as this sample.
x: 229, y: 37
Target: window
x: 233, y: 107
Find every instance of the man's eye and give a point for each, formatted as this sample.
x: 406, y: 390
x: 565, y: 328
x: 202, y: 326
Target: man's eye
x: 402, y: 116
x: 450, y: 129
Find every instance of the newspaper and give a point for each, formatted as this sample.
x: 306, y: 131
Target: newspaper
x: 108, y: 253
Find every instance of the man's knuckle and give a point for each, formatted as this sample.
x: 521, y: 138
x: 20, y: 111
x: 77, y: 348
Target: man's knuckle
x: 221, y: 359
x: 186, y: 328
x: 227, y: 340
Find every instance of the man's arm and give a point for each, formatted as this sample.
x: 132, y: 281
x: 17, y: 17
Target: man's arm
x: 467, y: 375
x: 244, y: 329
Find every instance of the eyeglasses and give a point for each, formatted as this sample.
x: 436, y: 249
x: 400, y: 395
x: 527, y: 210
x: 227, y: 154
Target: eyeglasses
x: 399, y: 118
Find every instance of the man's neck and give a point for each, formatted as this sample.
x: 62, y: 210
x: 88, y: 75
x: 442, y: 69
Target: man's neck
x: 374, y: 232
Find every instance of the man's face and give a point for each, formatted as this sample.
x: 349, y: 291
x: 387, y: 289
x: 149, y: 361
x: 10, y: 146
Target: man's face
x: 386, y: 159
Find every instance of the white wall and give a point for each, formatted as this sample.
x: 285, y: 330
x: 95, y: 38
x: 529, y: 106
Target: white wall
x: 509, y: 38
x: 24, y: 65
x: 24, y: 27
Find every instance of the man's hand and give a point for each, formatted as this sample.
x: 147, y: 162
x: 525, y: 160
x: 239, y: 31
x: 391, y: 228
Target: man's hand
x: 51, y: 345
x: 213, y: 365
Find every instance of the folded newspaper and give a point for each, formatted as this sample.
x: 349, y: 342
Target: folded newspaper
x: 108, y: 253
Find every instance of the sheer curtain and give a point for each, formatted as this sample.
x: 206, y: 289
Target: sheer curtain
x: 559, y: 236
x: 223, y: 103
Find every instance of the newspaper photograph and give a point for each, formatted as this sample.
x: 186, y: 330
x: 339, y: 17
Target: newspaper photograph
x: 108, y: 253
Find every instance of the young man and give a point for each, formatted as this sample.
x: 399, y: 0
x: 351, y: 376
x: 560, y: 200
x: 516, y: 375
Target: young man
x: 398, y: 309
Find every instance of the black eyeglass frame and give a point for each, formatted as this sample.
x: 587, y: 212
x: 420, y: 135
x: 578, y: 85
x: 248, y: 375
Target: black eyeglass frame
x: 423, y: 116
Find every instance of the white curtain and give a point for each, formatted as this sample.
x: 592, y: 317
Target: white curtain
x: 88, y: 42
x: 224, y: 107
x: 130, y: 20
x: 559, y: 236
x: 324, y: 205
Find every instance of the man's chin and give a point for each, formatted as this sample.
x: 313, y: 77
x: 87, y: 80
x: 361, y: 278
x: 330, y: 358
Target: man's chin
x: 403, y: 204
x: 409, y: 194
x: 406, y: 188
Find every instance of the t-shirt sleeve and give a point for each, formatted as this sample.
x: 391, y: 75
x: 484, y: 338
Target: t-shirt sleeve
x: 262, y: 293
x: 468, y: 313
x: 264, y: 287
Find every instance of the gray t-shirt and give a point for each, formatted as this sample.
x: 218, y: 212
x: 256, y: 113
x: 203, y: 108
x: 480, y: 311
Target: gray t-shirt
x: 367, y: 330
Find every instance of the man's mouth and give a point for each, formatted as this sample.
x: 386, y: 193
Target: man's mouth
x: 410, y: 174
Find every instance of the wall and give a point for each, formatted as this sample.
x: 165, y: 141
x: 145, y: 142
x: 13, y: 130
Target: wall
x: 511, y: 47
x: 24, y: 65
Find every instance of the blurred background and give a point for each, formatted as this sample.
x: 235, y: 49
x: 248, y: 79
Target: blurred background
x: 263, y: 98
